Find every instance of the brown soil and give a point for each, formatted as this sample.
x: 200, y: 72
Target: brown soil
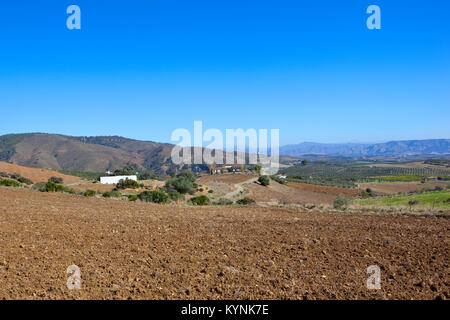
x: 225, y: 178
x: 37, y: 175
x: 396, y: 187
x: 276, y: 193
x: 146, y: 251
x: 352, y: 192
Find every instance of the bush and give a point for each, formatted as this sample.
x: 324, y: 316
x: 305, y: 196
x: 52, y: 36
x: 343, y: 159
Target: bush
x: 25, y: 180
x: 264, y: 180
x: 341, y: 202
x: 52, y: 187
x: 90, y: 193
x: 57, y: 180
x: 200, y: 200
x: 175, y: 196
x: 111, y: 194
x: 412, y: 202
x: 245, y: 201
x: 127, y: 184
x: 21, y: 179
x: 69, y: 190
x: 157, y: 196
x: 438, y: 188
x: 4, y: 175
x: 15, y: 176
x: 223, y: 202
x: 210, y: 191
x: 183, y: 183
x: 9, y: 183
x: 39, y: 185
x: 132, y: 197
x: 279, y: 180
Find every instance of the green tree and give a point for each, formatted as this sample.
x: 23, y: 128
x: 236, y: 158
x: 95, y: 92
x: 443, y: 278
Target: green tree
x: 264, y: 180
x: 157, y: 196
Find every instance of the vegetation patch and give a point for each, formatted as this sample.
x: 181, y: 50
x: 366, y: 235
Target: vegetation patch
x: 342, y: 202
x: 432, y: 199
x: 264, y: 180
x: 9, y: 183
x: 245, y: 201
x: 90, y: 193
x: 157, y: 196
x: 200, y: 200
x: 127, y: 184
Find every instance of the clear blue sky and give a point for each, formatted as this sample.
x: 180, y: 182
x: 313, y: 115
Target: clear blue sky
x: 312, y: 69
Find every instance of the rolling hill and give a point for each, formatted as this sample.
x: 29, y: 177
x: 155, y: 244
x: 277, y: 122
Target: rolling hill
x: 53, y: 151
x: 97, y: 154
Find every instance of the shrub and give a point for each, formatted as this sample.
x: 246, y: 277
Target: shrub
x: 69, y: 190
x: 223, y: 202
x: 210, y: 191
x: 57, y: 180
x: 438, y: 188
x: 264, y: 180
x: 111, y: 194
x: 125, y: 171
x: 90, y: 193
x: 175, y: 196
x: 52, y: 187
x: 157, y: 196
x: 25, y: 180
x: 341, y: 202
x: 245, y: 201
x: 9, y: 183
x: 39, y: 185
x: 412, y: 202
x: 279, y: 180
x: 200, y: 200
x: 132, y: 197
x: 127, y: 184
x: 4, y: 175
x: 180, y: 184
x: 15, y: 176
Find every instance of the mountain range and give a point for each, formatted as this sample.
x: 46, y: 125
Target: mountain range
x: 392, y: 148
x: 97, y: 154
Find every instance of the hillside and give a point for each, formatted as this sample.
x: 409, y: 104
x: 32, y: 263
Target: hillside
x: 392, y: 148
x: 54, y: 151
x: 36, y: 175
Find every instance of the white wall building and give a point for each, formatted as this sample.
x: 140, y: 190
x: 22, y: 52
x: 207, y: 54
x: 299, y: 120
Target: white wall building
x: 116, y: 179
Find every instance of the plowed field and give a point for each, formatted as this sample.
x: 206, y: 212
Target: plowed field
x: 137, y: 250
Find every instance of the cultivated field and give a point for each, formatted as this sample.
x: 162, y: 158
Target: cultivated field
x: 131, y: 250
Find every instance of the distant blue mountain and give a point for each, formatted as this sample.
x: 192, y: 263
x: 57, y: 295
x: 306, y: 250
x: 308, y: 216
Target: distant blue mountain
x: 392, y: 148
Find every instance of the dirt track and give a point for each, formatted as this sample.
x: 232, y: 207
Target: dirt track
x: 138, y: 250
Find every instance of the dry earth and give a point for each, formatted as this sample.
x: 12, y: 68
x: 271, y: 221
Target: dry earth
x: 131, y: 250
x: 37, y: 175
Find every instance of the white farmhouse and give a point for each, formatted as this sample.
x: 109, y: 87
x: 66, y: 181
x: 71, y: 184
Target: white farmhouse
x: 116, y: 179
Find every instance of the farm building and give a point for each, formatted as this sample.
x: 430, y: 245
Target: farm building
x: 116, y: 179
